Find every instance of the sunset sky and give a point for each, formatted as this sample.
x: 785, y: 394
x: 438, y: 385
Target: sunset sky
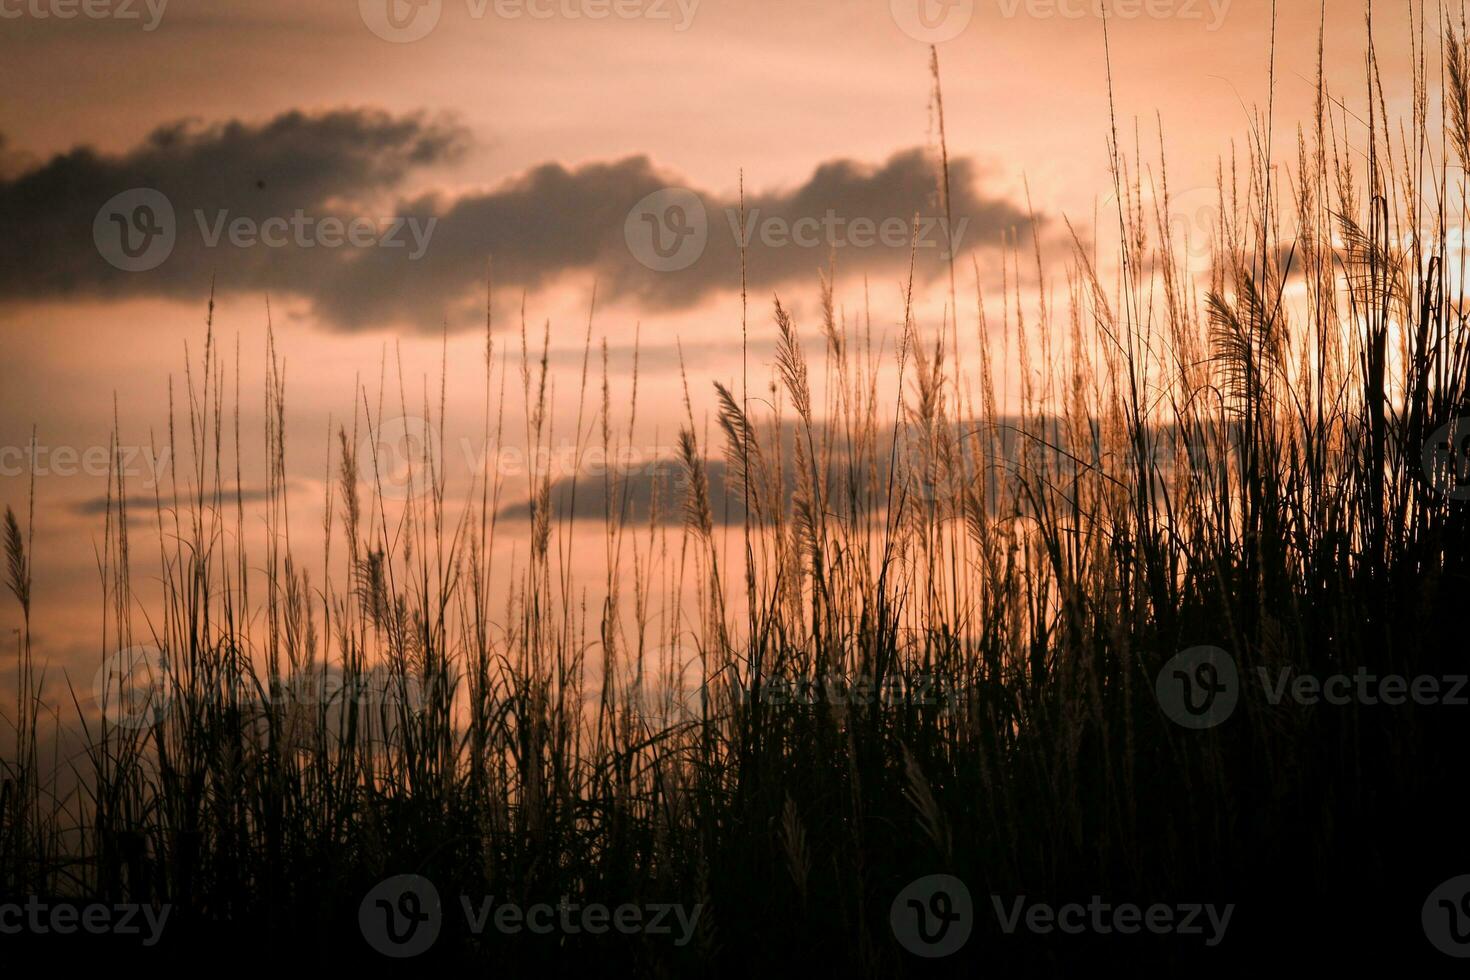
x: 527, y: 132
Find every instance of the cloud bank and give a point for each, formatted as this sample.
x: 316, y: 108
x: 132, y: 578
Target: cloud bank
x: 312, y: 205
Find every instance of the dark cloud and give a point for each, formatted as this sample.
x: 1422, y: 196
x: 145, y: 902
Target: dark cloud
x: 229, y: 497
x: 553, y: 220
x: 857, y: 483
x: 294, y: 161
x: 658, y: 491
x: 550, y: 221
x: 655, y: 491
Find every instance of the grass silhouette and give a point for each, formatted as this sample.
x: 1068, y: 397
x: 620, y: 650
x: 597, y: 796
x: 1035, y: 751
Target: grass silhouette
x: 941, y: 642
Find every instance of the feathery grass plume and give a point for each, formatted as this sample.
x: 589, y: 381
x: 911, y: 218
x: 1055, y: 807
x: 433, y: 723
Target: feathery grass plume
x: 921, y: 797
x: 1459, y: 94
x: 792, y: 365
x: 741, y: 444
x: 17, y: 566
x: 697, y: 512
x: 836, y: 348
x: 1248, y: 345
x: 793, y: 845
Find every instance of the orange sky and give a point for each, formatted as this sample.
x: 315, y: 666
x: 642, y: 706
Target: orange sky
x: 706, y: 90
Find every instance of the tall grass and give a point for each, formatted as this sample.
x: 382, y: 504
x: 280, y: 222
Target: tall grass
x: 1231, y: 456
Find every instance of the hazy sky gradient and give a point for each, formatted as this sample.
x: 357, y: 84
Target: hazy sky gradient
x: 529, y: 116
